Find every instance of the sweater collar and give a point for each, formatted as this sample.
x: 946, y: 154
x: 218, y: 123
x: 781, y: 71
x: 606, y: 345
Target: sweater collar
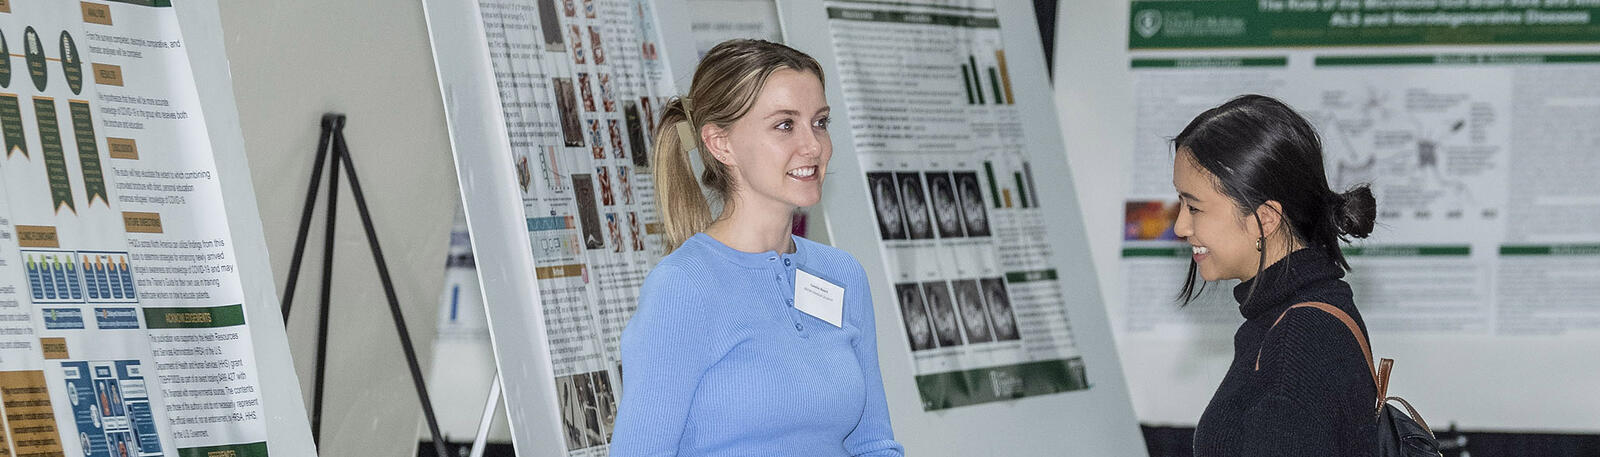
x: 1280, y: 281
x: 749, y: 259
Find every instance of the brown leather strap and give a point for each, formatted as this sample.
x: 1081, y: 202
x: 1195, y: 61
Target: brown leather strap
x: 1411, y: 411
x: 1355, y: 330
x: 1384, y: 367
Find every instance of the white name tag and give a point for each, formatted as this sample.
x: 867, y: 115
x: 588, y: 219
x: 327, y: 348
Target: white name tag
x: 819, y: 298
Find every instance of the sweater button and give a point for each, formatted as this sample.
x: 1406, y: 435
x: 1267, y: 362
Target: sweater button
x: 789, y: 301
x: 797, y: 326
x: 786, y: 262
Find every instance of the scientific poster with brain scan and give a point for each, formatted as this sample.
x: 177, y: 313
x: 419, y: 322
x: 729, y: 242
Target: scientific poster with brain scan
x: 948, y: 169
x: 1475, y: 125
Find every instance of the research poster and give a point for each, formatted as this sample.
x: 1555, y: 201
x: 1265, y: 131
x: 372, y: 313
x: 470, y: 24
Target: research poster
x: 581, y: 82
x: 1475, y: 123
x: 938, y: 134
x: 122, y: 324
x: 716, y: 21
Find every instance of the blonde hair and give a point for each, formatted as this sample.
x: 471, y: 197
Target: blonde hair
x: 725, y: 85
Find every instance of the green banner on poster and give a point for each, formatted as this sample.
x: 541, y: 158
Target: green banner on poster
x: 229, y: 450
x: 55, y: 159
x: 94, y: 180
x: 11, y: 125
x: 1156, y: 24
x: 212, y: 317
x: 983, y: 385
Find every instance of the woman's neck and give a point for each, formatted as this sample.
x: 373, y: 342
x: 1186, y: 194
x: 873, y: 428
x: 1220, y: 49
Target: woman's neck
x: 753, y: 231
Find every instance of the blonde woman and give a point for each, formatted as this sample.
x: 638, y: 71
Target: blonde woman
x: 749, y: 340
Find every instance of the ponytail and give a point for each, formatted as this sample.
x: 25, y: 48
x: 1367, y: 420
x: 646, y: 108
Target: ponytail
x: 683, y: 207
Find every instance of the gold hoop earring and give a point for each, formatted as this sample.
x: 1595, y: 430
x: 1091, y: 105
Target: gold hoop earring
x: 1259, y: 247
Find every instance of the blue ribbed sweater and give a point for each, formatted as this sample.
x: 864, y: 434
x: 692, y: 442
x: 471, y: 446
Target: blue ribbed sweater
x: 718, y: 362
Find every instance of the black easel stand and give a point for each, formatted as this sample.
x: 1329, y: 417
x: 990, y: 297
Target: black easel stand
x: 333, y: 135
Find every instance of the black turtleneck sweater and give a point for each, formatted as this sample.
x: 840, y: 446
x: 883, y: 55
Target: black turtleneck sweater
x: 1314, y: 394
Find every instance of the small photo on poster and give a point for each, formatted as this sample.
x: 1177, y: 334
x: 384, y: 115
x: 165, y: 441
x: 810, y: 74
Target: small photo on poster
x: 915, y: 202
x: 605, y: 93
x: 919, y: 329
x: 594, y: 42
x: 588, y: 214
x: 606, y: 398
x: 891, y: 222
x: 649, y: 114
x: 972, y: 209
x: 575, y: 36
x: 586, y: 92
x: 550, y: 26
x: 597, y: 142
x: 591, y: 410
x: 633, y: 230
x: 946, y: 215
x: 615, y: 128
x: 567, y: 104
x: 524, y: 173
x: 588, y: 9
x: 636, y: 139
x: 624, y: 178
x: 603, y: 175
x: 570, y: 7
x: 614, y: 228
x: 572, y: 417
x: 1005, y: 323
x: 945, y: 328
x: 1149, y: 220
x: 973, y: 316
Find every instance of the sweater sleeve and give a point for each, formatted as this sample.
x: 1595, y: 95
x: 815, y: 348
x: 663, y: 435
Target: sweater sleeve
x: 666, y: 348
x: 873, y: 435
x: 1319, y: 394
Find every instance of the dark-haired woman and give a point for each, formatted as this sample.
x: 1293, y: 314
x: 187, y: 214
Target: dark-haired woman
x: 1256, y: 207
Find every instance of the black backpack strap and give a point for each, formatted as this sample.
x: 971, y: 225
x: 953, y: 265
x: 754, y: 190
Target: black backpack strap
x: 1379, y: 380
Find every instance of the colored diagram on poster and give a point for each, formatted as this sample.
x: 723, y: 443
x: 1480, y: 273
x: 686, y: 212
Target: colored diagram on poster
x: 111, y: 408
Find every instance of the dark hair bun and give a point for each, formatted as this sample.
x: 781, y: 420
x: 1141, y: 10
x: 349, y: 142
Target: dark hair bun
x: 1355, y: 212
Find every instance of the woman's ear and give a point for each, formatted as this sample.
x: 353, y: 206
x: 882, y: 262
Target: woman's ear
x: 1271, y: 215
x: 716, y: 143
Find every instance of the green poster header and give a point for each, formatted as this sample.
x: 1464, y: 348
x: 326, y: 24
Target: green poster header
x: 1398, y: 250
x: 897, y: 17
x: 1212, y: 62
x: 1456, y: 59
x: 1016, y: 277
x: 220, y: 316
x: 1156, y: 24
x: 1550, y: 249
x: 258, y: 449
x: 984, y: 385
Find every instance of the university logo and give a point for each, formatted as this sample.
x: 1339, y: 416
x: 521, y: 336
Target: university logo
x: 1147, y: 23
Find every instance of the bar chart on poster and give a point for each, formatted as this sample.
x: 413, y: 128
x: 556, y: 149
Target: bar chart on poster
x: 127, y: 325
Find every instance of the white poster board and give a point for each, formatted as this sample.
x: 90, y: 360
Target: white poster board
x: 548, y: 104
x: 1478, y: 142
x: 918, y: 90
x: 139, y: 311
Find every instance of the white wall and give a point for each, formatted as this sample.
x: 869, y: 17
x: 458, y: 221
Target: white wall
x: 292, y: 61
